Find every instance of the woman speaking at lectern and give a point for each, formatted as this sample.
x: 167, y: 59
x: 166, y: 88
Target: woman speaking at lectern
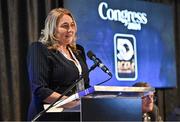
x: 55, y: 61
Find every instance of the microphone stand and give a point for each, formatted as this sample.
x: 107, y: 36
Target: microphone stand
x: 64, y: 93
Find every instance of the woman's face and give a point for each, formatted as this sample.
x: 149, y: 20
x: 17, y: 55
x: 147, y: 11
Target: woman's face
x: 65, y: 30
x: 147, y: 103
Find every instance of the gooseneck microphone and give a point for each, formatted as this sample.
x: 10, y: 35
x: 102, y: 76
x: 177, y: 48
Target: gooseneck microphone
x: 99, y: 63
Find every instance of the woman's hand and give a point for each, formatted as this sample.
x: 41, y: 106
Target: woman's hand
x: 71, y: 104
x: 54, y: 96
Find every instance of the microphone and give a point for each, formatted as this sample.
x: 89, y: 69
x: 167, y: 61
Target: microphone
x: 98, y: 62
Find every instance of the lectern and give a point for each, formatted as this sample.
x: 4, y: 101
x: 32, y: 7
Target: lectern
x: 103, y: 103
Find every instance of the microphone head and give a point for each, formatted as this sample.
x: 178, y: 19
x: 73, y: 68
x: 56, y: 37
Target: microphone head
x: 90, y: 54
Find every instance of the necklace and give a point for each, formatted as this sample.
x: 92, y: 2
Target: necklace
x: 65, y: 53
x: 70, y: 56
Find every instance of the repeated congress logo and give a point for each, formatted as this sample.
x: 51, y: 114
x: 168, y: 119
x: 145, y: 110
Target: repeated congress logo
x: 125, y: 56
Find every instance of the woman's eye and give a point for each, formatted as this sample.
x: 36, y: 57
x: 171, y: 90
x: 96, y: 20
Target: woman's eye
x: 72, y: 24
x: 66, y: 26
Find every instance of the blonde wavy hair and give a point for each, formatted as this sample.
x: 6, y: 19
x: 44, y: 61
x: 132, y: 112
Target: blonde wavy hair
x: 47, y: 34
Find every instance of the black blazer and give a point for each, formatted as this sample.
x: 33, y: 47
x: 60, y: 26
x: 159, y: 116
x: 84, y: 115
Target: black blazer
x: 50, y: 71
